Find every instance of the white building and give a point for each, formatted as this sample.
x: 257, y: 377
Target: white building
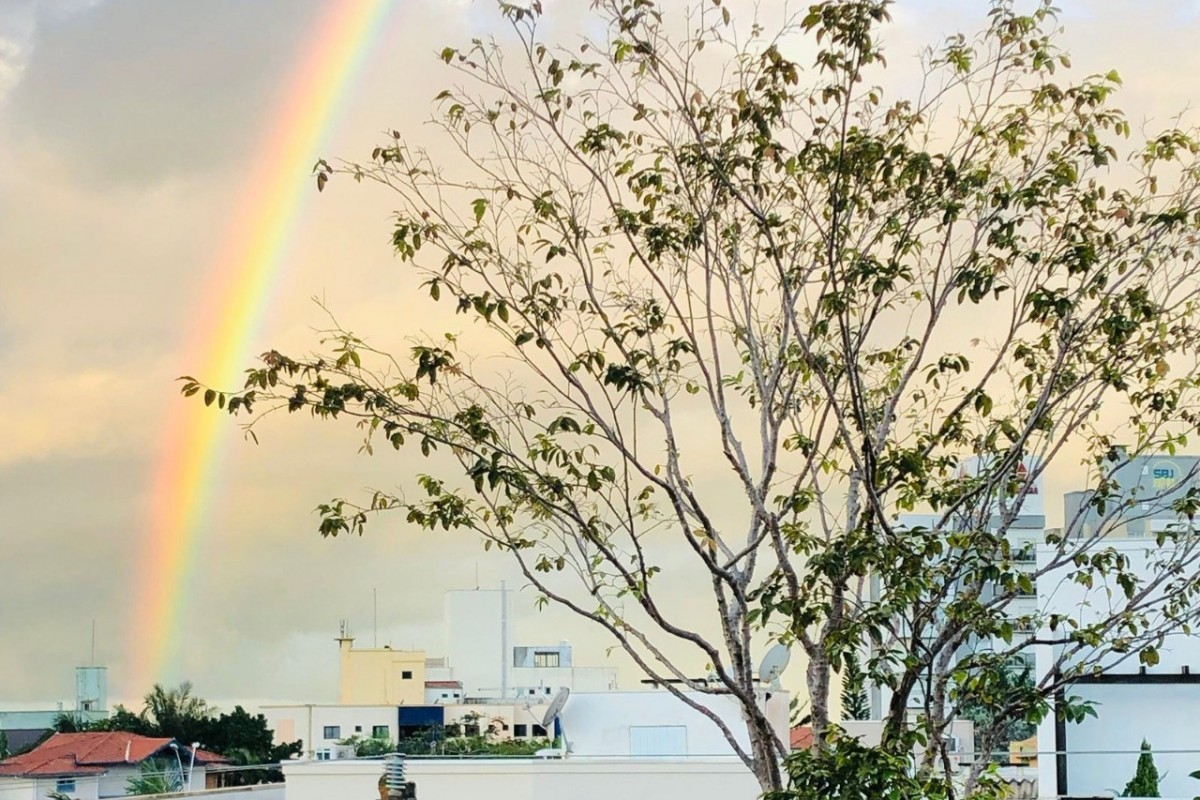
x: 1132, y: 703
x: 621, y: 744
x: 656, y: 723
x: 1025, y: 533
x: 483, y: 655
x: 321, y: 725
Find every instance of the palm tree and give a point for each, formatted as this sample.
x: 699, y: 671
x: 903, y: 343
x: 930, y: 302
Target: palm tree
x: 162, y: 704
x: 177, y: 713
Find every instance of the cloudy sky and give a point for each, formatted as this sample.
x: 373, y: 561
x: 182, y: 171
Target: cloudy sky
x: 128, y: 131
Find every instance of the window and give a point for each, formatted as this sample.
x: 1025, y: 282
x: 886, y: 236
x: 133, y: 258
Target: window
x: 333, y: 732
x: 542, y: 659
x: 538, y: 730
x: 358, y: 728
x: 520, y: 731
x: 65, y: 785
x: 406, y: 675
x: 380, y: 732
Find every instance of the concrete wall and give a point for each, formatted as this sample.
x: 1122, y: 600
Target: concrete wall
x: 86, y: 788
x: 308, y: 722
x: 376, y: 676
x: 530, y: 779
x: 266, y: 791
x: 601, y: 723
x: 577, y: 679
x: 480, y: 640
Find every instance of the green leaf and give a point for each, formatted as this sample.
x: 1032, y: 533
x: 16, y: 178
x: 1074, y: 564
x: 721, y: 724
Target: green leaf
x: 209, y: 396
x: 480, y: 205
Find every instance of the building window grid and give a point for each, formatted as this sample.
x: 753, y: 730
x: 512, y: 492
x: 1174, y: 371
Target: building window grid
x: 65, y: 785
x: 333, y: 732
x: 380, y: 732
x: 545, y: 659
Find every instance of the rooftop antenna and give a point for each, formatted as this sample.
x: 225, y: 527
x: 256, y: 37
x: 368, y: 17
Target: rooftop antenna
x: 375, y: 613
x: 93, y: 660
x: 554, y: 712
x: 773, y: 664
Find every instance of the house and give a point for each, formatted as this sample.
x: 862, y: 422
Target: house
x: 94, y: 765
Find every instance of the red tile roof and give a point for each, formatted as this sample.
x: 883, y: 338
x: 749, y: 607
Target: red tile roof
x: 443, y: 684
x: 208, y: 757
x: 90, y: 753
x: 802, y: 737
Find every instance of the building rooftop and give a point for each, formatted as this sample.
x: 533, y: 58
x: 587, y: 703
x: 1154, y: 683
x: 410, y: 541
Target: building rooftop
x: 91, y: 753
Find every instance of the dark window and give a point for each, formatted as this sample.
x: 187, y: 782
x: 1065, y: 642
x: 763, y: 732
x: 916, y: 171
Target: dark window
x: 333, y: 731
x: 545, y: 659
x: 379, y: 732
x: 520, y: 731
x: 406, y: 675
x: 65, y: 785
x: 358, y: 728
x: 471, y: 729
x: 538, y: 730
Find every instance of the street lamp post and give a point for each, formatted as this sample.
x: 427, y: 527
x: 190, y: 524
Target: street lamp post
x: 178, y: 761
x: 192, y: 765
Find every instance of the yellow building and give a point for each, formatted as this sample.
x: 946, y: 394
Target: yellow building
x: 381, y: 676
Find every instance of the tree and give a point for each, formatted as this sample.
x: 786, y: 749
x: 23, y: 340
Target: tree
x: 995, y: 732
x: 1145, y: 780
x: 855, y: 704
x: 154, y: 776
x: 177, y: 713
x: 708, y: 267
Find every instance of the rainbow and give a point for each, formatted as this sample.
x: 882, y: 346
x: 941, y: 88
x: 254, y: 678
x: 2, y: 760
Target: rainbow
x: 224, y: 339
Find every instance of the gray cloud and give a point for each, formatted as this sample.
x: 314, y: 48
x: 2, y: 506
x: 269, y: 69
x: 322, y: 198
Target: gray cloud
x: 129, y: 129
x: 138, y: 91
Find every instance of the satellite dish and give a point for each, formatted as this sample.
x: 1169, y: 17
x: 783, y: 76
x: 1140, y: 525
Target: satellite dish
x: 774, y: 663
x: 555, y: 708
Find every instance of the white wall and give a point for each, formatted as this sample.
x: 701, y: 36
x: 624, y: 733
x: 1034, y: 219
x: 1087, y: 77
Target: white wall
x: 870, y: 733
x: 11, y: 788
x: 308, y: 722
x: 529, y: 779
x: 479, y: 646
x: 577, y: 679
x: 267, y: 791
x: 1102, y: 752
x: 1162, y: 713
x: 599, y: 723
